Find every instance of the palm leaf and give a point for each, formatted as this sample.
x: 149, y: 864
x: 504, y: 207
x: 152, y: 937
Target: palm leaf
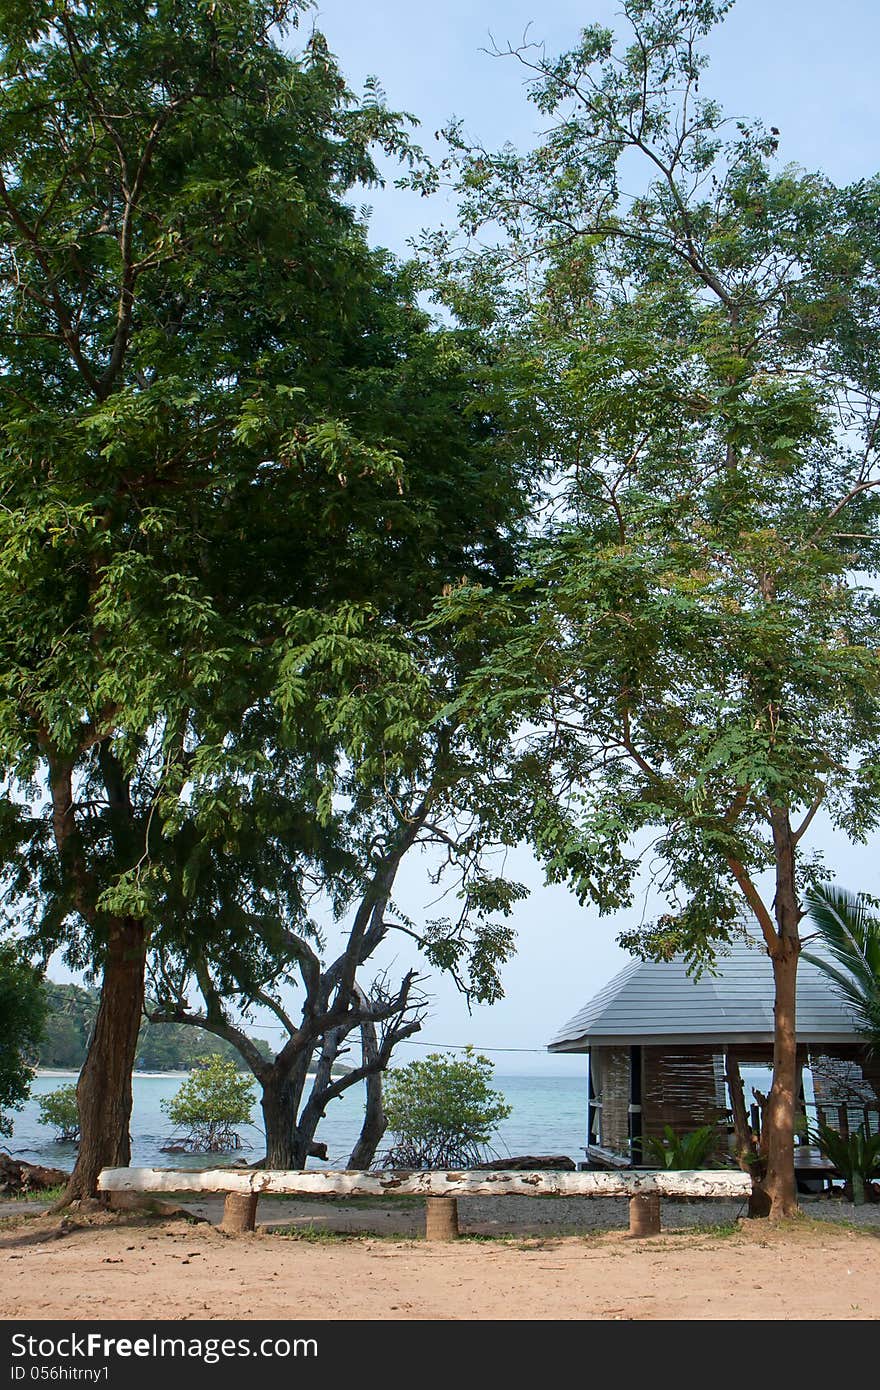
x: 850, y: 931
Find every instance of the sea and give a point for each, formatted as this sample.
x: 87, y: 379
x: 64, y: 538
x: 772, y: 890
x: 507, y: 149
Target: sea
x: 548, y: 1116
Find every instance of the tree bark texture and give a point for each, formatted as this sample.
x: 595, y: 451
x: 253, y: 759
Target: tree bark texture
x: 286, y: 1147
x: 779, y: 1182
x: 104, y: 1088
x: 779, y: 1116
x: 748, y: 1155
x: 375, y: 1122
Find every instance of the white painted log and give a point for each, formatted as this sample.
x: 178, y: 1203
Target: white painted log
x: 542, y: 1183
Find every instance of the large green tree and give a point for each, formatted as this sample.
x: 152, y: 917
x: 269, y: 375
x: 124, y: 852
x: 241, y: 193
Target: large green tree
x: 221, y: 411
x: 690, y: 330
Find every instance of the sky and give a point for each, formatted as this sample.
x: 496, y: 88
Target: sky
x: 805, y: 66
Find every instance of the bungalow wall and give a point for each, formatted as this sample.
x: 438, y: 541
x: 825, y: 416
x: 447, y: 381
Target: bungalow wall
x: 684, y: 1089
x: 636, y: 1091
x: 846, y: 1080
x: 610, y: 1088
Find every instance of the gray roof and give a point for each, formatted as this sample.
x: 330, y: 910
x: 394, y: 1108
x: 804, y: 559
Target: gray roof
x: 654, y: 1003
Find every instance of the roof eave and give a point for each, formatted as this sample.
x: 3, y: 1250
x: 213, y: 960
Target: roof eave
x: 669, y: 1040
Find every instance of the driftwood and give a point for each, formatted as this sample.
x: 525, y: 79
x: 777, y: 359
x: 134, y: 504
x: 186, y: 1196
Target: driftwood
x: 440, y: 1189
x: 18, y: 1176
x: 559, y: 1163
x: 391, y: 1183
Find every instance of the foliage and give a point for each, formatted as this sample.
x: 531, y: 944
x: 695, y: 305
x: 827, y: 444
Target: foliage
x: 848, y: 926
x: 212, y: 1100
x: 419, y: 784
x: 696, y: 1149
x: 856, y: 1156
x: 268, y: 385
x: 238, y: 461
x: 70, y: 1018
x: 22, y: 1015
x: 59, y: 1108
x: 442, y: 1111
x: 691, y: 650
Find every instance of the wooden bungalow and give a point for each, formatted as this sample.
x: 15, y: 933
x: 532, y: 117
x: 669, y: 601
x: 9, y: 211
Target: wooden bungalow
x: 666, y: 1049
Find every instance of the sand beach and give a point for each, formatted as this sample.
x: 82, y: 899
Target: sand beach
x: 526, y: 1259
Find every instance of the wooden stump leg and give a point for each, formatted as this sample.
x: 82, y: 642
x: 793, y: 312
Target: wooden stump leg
x: 644, y: 1214
x: 239, y: 1212
x: 441, y: 1218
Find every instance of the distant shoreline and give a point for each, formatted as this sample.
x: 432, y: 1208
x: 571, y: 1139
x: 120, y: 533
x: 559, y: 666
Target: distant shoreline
x: 147, y: 1075
x: 71, y: 1071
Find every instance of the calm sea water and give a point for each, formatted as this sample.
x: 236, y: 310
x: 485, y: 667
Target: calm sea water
x: 549, y: 1116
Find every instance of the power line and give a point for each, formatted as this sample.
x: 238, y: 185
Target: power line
x: 410, y: 1042
x: 461, y: 1047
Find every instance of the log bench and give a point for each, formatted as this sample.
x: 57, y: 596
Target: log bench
x: 243, y: 1188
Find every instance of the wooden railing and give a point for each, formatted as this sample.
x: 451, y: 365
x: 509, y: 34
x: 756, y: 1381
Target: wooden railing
x: 846, y: 1118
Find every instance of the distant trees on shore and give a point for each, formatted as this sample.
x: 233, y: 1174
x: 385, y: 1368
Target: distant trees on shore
x: 161, y: 1047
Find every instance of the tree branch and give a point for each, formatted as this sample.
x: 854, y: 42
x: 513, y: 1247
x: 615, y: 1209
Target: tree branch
x: 814, y: 806
x: 756, y: 903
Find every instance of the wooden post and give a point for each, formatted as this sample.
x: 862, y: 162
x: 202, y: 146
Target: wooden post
x: 125, y: 1201
x: 644, y: 1214
x: 239, y: 1212
x: 441, y: 1218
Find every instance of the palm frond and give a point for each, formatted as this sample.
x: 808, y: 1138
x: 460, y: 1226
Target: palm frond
x: 848, y: 928
x: 845, y: 983
x: 850, y: 931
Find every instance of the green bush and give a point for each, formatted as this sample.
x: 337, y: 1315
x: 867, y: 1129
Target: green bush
x: 855, y: 1156
x: 442, y: 1112
x: 697, y: 1149
x: 60, y: 1110
x: 214, y: 1098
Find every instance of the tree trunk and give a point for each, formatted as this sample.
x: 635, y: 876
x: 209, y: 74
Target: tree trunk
x: 779, y: 1114
x: 743, y: 1138
x: 779, y: 1121
x: 104, y: 1089
x: 747, y: 1154
x: 279, y: 1104
x: 374, y: 1124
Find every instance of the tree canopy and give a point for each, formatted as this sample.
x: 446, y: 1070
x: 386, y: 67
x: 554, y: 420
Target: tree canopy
x: 694, y: 642
x: 230, y: 438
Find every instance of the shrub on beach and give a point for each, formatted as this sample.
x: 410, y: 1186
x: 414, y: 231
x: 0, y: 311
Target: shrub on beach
x: 59, y: 1109
x: 442, y: 1111
x: 214, y: 1099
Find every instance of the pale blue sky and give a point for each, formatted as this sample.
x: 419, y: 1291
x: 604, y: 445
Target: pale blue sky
x: 805, y: 66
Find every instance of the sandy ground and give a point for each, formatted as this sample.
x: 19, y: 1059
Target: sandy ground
x: 111, y: 1265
